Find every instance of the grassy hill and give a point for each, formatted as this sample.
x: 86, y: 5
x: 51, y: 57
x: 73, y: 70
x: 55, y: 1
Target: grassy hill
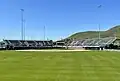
x: 94, y: 34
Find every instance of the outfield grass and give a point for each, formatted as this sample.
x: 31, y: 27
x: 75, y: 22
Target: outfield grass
x: 59, y: 66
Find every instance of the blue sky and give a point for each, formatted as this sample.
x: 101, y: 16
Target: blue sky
x: 60, y: 17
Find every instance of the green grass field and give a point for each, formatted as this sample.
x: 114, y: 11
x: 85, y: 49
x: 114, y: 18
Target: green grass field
x: 59, y: 66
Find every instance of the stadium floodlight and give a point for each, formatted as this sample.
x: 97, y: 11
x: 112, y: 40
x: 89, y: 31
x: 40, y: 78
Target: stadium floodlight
x: 99, y: 31
x: 99, y: 34
x: 24, y: 28
x: 44, y: 30
x: 22, y: 24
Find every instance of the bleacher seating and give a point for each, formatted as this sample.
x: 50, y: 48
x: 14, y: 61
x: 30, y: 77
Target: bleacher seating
x: 102, y: 42
x: 31, y: 43
x: 2, y: 45
x: 7, y: 41
x: 28, y: 43
x: 14, y: 42
x: 87, y: 42
x: 93, y: 42
x: 39, y: 43
x: 23, y: 43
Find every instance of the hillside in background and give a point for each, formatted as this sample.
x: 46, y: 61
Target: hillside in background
x: 115, y: 31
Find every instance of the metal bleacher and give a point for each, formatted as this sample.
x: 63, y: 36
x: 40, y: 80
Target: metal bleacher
x: 93, y: 42
x: 2, y: 45
x: 28, y: 43
x: 31, y: 44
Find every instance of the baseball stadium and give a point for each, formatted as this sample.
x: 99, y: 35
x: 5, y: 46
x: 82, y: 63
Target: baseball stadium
x: 92, y: 55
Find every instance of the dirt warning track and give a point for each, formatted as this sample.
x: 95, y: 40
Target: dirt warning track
x: 53, y: 50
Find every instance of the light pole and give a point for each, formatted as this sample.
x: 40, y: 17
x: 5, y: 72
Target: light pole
x: 24, y: 29
x: 99, y: 31
x: 22, y: 24
x: 44, y: 30
x: 99, y: 34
